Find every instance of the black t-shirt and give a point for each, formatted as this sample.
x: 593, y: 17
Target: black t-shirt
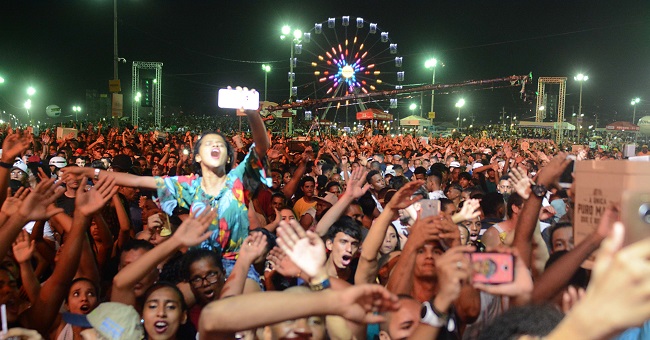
x: 67, y: 203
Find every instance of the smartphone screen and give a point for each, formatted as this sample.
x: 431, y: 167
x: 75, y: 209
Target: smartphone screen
x: 492, y: 268
x: 429, y: 208
x: 236, y: 99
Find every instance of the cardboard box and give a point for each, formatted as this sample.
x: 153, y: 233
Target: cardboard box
x: 599, y: 183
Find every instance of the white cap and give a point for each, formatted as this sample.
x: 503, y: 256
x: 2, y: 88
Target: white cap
x: 58, y: 162
x: 20, y: 166
x: 454, y: 164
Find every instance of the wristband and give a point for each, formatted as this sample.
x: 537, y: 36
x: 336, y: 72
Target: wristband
x: 96, y: 177
x: 320, y: 286
x: 6, y: 165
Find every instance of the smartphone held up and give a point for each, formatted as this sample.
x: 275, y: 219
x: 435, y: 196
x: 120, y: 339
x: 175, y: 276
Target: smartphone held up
x: 492, y: 268
x: 239, y: 98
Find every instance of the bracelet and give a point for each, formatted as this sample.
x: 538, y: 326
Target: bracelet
x: 320, y: 286
x: 6, y: 165
x: 96, y: 177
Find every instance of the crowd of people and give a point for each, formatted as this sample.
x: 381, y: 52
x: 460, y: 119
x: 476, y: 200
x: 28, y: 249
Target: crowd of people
x: 116, y: 233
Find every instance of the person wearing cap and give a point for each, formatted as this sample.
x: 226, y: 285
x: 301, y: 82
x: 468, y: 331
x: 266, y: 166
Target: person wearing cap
x: 56, y: 164
x: 644, y: 151
x: 323, y: 203
x: 216, y: 184
x: 18, y: 176
x: 110, y: 320
x: 454, y: 168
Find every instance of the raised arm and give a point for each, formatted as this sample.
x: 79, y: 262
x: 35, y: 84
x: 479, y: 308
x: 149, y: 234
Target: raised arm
x: 13, y: 146
x: 356, y: 303
x: 46, y: 306
x: 368, y: 263
x: 253, y: 247
x: 356, y: 188
x: 260, y: 138
x: 121, y: 178
x: 191, y: 232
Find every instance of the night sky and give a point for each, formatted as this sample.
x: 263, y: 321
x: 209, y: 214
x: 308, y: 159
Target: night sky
x: 63, y: 48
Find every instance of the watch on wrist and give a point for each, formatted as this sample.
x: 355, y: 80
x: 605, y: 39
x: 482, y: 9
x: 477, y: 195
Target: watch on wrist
x: 539, y: 190
x: 431, y: 317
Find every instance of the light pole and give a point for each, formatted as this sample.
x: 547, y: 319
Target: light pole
x: 580, y: 78
x: 634, y: 102
x: 459, y: 104
x: 76, y: 110
x: 297, y: 34
x: 28, y: 105
x: 431, y: 64
x: 266, y: 69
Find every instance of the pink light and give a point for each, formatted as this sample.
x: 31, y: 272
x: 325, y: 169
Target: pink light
x: 322, y: 80
x: 364, y: 55
x: 333, y: 50
x: 340, y: 48
x: 329, y: 90
x: 364, y: 90
x: 328, y: 55
x: 371, y: 66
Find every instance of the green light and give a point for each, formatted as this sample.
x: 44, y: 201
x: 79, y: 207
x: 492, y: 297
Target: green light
x: 2, y: 80
x: 286, y: 29
x: 31, y: 91
x: 412, y: 107
x: 266, y: 68
x: 460, y: 103
x: 297, y: 34
x: 431, y: 63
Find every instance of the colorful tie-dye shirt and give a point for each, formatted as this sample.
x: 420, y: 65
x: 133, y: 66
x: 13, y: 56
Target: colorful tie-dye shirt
x: 230, y: 227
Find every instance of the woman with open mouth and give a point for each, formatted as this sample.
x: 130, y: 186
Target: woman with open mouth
x: 82, y: 299
x: 165, y: 314
x: 218, y: 184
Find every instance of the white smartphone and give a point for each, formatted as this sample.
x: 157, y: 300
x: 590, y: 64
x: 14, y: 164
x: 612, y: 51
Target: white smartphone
x: 236, y: 99
x: 429, y: 208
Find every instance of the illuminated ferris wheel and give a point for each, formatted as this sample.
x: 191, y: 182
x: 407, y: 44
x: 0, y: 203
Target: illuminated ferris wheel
x: 343, y: 56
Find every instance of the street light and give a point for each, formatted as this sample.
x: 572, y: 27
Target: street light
x: 266, y: 69
x: 634, y: 102
x: 31, y: 91
x: 413, y: 106
x: 459, y: 104
x: 2, y: 80
x: 580, y: 78
x: 431, y: 64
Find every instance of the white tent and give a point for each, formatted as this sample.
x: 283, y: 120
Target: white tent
x: 546, y: 125
x: 414, y: 121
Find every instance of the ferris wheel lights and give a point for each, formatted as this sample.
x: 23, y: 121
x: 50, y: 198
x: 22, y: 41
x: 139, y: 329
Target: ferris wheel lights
x: 359, y: 22
x: 318, y: 28
x: 372, y: 87
x: 320, y: 57
x: 345, y: 21
x: 393, y: 102
x: 331, y: 22
x: 291, y: 76
x: 313, y: 63
x: 393, y: 48
x: 371, y: 66
x: 398, y: 87
x: 298, y: 49
x: 376, y: 73
x: 294, y: 91
x: 379, y: 81
x: 293, y: 61
x: 384, y: 36
x: 364, y: 90
x: 398, y: 61
x: 317, y: 73
x: 306, y: 37
x: 328, y: 55
x: 400, y: 76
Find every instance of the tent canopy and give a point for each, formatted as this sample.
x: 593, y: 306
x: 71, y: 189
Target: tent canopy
x: 374, y: 114
x: 622, y: 126
x: 546, y: 125
x: 414, y: 121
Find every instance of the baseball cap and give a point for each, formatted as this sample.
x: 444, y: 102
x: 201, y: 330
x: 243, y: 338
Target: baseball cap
x: 328, y: 197
x: 645, y: 146
x: 476, y: 165
x: 397, y: 157
x: 20, y: 166
x: 454, y: 164
x: 487, y: 151
x: 112, y: 320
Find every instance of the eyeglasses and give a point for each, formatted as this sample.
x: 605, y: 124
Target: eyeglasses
x: 211, y: 278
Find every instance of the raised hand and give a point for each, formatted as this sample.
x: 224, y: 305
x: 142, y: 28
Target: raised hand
x: 469, y: 211
x: 14, y: 146
x: 571, y: 297
x: 356, y: 187
x: 194, y: 229
x: 403, y: 197
x: 550, y: 174
x: 546, y: 212
x: 23, y: 248
x: 361, y: 303
x: 521, y: 182
x: 306, y: 250
x: 282, y: 264
x: 253, y: 247
x: 12, y: 203
x: 89, y: 202
x: 34, y: 206
x: 453, y: 268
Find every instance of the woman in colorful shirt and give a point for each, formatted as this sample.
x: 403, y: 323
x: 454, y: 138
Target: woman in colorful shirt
x: 217, y: 185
